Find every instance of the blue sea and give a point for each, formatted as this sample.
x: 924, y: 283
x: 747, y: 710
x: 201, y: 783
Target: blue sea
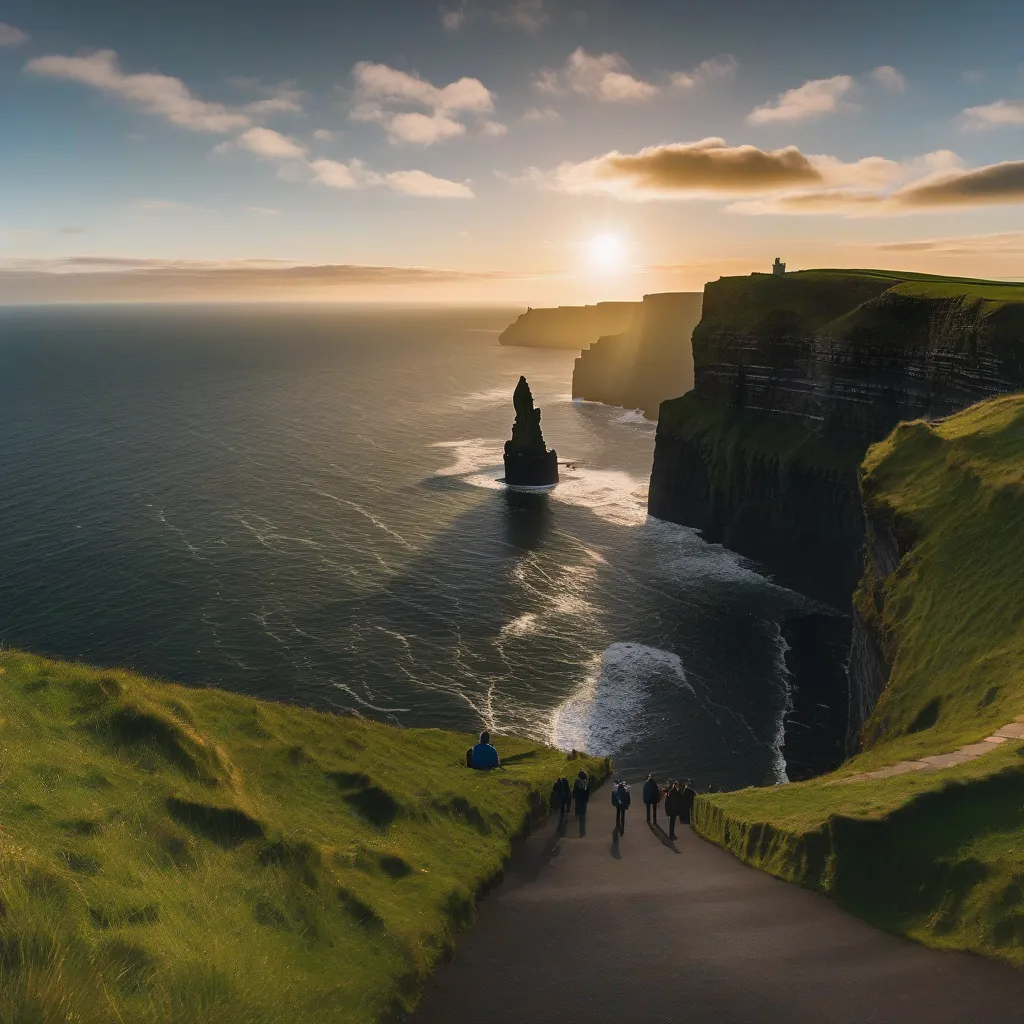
x: 302, y: 503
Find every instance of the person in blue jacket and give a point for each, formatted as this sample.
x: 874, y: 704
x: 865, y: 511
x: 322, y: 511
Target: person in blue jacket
x: 484, y: 756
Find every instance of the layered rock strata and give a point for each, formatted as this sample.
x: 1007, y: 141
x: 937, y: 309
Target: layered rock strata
x: 649, y: 362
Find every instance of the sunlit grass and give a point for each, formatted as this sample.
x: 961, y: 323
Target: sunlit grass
x: 192, y: 855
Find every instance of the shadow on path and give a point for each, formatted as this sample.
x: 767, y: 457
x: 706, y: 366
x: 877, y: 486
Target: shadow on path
x: 745, y: 948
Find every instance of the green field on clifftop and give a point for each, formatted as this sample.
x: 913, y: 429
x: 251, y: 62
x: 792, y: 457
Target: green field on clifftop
x: 938, y: 856
x: 170, y: 854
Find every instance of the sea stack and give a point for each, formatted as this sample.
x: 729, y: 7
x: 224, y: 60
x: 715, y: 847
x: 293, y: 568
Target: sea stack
x: 528, y: 463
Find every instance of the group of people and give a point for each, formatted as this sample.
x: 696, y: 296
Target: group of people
x: 678, y: 797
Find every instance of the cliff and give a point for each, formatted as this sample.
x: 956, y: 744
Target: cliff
x: 573, y: 327
x: 936, y: 854
x: 173, y: 854
x: 794, y: 377
x: 649, y: 362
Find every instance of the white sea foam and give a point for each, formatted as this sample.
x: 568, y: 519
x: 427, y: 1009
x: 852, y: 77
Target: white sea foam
x: 634, y: 416
x: 605, y: 713
x: 521, y: 626
x: 782, y: 674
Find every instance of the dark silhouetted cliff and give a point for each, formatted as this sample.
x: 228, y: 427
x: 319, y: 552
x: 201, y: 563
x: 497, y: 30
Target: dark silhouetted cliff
x: 647, y: 363
x: 794, y: 377
x: 569, y: 326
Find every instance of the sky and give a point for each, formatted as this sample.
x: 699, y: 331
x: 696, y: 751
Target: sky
x: 500, y: 151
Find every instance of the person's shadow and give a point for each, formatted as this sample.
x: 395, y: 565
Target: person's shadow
x: 615, y: 851
x: 582, y: 819
x: 663, y: 837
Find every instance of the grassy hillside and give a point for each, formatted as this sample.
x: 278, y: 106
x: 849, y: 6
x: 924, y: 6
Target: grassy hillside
x: 193, y: 855
x: 838, y: 302
x: 937, y: 856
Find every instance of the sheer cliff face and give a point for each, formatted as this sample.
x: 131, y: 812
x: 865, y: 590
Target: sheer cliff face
x: 652, y: 361
x: 858, y: 359
x: 572, y: 327
x: 794, y: 377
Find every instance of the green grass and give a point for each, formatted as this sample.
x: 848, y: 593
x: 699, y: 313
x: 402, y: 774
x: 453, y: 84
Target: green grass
x: 843, y: 302
x: 936, y: 856
x: 197, y: 856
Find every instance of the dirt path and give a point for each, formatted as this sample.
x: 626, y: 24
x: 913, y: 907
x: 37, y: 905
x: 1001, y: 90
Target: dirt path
x: 595, y: 929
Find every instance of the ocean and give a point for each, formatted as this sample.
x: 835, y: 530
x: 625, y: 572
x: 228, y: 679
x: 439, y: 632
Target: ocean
x: 302, y: 503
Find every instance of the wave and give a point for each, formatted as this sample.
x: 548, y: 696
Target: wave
x: 605, y: 713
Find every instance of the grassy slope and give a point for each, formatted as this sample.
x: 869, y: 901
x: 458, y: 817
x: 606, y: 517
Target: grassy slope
x: 937, y: 856
x: 193, y: 855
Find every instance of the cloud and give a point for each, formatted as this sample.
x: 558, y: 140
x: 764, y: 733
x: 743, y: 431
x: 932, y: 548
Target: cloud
x: 419, y: 183
x: 105, y: 279
x: 159, y: 95
x: 335, y: 174
x: 453, y: 19
x: 810, y: 100
x: 383, y: 95
x: 604, y: 76
x: 493, y: 129
x: 323, y: 135
x: 715, y: 68
x: 541, y: 114
x: 994, y: 115
x: 709, y: 167
x: 890, y: 78
x: 263, y: 211
x: 72, y: 229
x: 356, y: 175
x: 11, y: 35
x: 269, y: 145
x: 155, y: 205
x: 787, y: 180
x: 529, y: 15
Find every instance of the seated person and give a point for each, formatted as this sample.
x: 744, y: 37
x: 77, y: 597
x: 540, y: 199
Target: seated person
x: 483, y: 755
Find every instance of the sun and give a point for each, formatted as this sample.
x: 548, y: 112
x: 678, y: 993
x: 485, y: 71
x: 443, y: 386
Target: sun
x: 607, y: 253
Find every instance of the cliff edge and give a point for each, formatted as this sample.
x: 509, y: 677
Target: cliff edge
x: 649, y: 362
x: 573, y: 327
x: 928, y: 849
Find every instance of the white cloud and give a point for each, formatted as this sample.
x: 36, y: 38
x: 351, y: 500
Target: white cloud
x: 419, y: 183
x: 710, y: 70
x: 323, y: 135
x: 263, y: 211
x: 155, y: 205
x: 541, y: 114
x: 384, y: 94
x: 529, y: 15
x: 335, y: 174
x: 11, y: 35
x: 994, y: 115
x: 810, y: 100
x: 453, y: 19
x: 605, y: 77
x: 270, y: 145
x: 156, y: 94
x: 493, y: 129
x: 890, y: 78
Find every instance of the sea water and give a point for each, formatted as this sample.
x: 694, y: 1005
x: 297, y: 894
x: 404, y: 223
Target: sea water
x: 303, y: 504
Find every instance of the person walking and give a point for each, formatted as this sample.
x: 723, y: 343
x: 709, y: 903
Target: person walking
x: 620, y: 800
x: 652, y: 797
x: 675, y: 807
x: 561, y: 797
x: 581, y: 793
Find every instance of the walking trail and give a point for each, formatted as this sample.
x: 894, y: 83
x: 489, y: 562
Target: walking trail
x: 1013, y: 731
x: 593, y: 928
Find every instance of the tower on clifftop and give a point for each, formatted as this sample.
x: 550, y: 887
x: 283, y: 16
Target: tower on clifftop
x: 778, y: 267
